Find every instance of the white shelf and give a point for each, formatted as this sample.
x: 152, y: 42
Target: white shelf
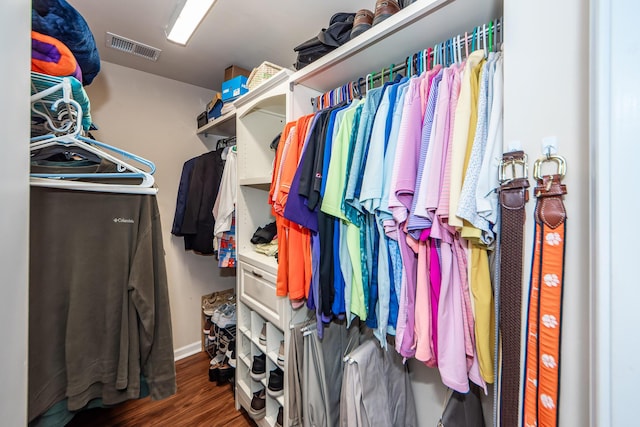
x: 265, y: 87
x: 261, y: 182
x: 224, y: 125
x: 273, y: 356
x: 267, y: 263
x: 418, y: 26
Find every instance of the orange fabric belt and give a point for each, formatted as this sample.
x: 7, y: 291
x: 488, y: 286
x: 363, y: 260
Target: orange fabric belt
x: 542, y: 355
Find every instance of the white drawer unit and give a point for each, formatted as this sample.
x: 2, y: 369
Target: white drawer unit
x: 258, y: 291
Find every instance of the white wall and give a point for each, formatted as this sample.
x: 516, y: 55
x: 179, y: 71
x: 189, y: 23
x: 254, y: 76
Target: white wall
x: 14, y: 213
x: 615, y: 290
x: 546, y: 93
x: 155, y: 118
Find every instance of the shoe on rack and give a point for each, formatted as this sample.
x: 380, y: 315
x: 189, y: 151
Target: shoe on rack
x: 384, y: 9
x: 214, y: 371
x: 213, y: 334
x: 258, y: 405
x: 263, y: 335
x: 231, y: 353
x: 214, y: 367
x: 276, y: 383
x: 225, y: 317
x: 225, y: 373
x: 361, y: 23
x: 216, y: 299
x: 281, y: 354
x: 258, y: 367
x: 279, y: 418
x: 207, y: 327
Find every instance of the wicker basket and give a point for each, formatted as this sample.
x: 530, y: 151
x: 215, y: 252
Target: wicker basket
x: 260, y: 74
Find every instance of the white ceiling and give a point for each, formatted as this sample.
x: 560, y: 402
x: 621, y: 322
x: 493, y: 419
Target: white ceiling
x: 238, y: 32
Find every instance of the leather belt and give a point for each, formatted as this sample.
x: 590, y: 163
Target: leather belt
x: 514, y: 195
x: 544, y: 318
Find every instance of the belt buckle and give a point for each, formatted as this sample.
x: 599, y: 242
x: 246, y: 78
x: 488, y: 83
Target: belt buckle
x: 510, y: 161
x: 559, y: 160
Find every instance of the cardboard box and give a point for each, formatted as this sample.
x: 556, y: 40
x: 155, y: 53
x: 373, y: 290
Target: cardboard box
x: 231, y: 89
x: 235, y: 71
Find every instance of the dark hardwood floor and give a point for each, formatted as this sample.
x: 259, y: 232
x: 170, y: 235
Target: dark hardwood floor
x: 198, y: 402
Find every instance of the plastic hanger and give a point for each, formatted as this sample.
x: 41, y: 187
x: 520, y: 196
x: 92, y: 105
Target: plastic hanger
x: 126, y: 170
x: 473, y: 39
x: 391, y: 67
x: 491, y: 36
x: 454, y: 50
x: 361, y: 81
x: 466, y: 45
x: 98, y: 148
x: 484, y: 40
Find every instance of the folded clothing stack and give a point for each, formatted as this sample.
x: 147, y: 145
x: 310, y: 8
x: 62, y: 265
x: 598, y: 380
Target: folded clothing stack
x: 265, y: 234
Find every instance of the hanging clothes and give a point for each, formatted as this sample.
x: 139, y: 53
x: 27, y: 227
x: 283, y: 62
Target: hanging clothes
x: 197, y: 194
x: 397, y: 193
x: 224, y: 210
x: 107, y: 333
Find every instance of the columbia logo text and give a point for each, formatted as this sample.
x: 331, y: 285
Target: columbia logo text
x: 123, y: 220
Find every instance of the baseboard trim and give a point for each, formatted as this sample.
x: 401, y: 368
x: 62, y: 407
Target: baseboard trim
x: 187, y: 350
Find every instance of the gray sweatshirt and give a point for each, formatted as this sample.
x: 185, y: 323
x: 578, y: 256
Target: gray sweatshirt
x: 99, y: 314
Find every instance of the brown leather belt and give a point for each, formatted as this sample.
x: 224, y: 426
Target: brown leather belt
x: 544, y: 318
x: 514, y: 195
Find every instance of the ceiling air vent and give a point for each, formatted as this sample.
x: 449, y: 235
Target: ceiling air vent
x: 133, y: 47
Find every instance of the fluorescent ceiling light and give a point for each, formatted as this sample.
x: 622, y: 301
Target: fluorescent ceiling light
x: 186, y: 19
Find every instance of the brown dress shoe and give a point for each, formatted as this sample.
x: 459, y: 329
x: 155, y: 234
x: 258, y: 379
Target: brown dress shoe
x: 384, y: 9
x: 362, y: 22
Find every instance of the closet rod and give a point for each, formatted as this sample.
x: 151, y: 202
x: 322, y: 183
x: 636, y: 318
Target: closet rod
x: 462, y: 44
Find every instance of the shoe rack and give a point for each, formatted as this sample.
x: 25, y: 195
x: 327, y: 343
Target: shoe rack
x: 260, y: 116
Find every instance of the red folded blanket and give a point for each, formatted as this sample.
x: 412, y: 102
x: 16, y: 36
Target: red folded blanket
x: 50, y: 56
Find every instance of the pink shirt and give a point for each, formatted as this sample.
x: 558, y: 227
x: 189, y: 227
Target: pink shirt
x: 424, y: 342
x: 452, y: 359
